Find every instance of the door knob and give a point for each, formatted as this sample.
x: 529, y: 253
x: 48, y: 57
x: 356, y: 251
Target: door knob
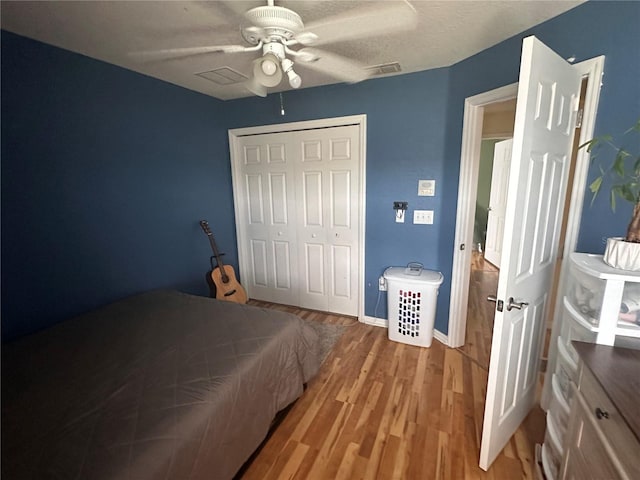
x: 492, y: 298
x: 517, y: 305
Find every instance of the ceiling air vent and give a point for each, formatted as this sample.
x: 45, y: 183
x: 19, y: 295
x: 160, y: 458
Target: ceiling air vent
x: 223, y: 76
x: 385, y: 68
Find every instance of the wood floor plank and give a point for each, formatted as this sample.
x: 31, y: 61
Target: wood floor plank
x: 346, y: 465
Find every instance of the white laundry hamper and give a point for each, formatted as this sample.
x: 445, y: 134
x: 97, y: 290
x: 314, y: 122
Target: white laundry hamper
x: 411, y: 303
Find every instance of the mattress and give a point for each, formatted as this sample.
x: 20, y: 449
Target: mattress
x: 159, y: 385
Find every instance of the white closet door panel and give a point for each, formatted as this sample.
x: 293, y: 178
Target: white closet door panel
x: 276, y: 153
x: 311, y: 148
x: 259, y: 263
x: 341, y: 263
x: 251, y: 154
x: 312, y: 199
x: 340, y: 198
x: 313, y: 293
x: 340, y: 148
x: 314, y: 266
x: 282, y: 264
x: 278, y: 198
x: 271, y: 238
x: 254, y: 198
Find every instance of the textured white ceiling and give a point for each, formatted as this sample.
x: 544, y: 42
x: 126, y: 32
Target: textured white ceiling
x: 447, y: 32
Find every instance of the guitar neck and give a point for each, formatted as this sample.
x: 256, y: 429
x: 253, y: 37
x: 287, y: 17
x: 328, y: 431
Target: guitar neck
x: 216, y: 253
x: 205, y: 227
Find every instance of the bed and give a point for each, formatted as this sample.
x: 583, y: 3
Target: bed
x: 159, y: 385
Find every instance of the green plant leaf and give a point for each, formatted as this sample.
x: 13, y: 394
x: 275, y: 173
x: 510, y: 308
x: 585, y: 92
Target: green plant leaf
x: 618, y: 165
x: 626, y: 193
x: 625, y: 177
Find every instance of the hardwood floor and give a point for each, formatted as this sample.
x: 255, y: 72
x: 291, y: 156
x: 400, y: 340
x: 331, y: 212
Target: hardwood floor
x: 385, y: 410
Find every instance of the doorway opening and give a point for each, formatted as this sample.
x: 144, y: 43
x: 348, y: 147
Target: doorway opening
x: 493, y: 171
x: 474, y: 116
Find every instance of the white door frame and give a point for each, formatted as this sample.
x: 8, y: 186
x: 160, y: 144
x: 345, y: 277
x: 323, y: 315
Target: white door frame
x: 468, y: 184
x: 360, y: 120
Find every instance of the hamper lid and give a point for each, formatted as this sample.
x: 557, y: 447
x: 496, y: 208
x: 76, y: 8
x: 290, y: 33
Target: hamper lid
x: 429, y: 277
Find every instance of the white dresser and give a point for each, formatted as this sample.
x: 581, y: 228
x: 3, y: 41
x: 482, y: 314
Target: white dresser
x: 603, y: 438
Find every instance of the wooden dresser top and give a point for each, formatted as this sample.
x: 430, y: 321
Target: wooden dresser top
x: 618, y: 372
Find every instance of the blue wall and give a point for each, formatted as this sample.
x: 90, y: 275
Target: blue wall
x: 105, y: 172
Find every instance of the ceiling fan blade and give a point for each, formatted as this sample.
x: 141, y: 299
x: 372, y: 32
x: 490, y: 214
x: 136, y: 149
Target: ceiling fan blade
x: 185, y: 52
x: 337, y: 66
x: 372, y: 20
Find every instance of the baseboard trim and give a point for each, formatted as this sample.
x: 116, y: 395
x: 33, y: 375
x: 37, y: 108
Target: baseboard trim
x: 441, y: 337
x: 384, y: 323
x: 375, y: 321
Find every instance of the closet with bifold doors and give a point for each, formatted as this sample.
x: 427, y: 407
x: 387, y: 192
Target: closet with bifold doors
x: 298, y: 209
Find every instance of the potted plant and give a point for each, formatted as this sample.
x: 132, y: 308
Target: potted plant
x: 624, y: 174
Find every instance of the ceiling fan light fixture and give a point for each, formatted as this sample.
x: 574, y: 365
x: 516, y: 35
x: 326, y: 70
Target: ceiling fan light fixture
x: 267, y: 71
x: 294, y: 79
x: 268, y: 66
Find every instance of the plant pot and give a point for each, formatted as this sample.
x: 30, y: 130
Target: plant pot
x: 621, y: 254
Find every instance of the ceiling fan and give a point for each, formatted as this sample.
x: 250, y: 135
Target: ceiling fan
x: 282, y: 38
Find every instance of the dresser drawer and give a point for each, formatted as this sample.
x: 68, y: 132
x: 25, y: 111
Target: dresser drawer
x: 615, y: 433
x: 575, y: 467
x: 588, y: 451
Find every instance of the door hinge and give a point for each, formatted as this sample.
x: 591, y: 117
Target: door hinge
x: 579, y: 116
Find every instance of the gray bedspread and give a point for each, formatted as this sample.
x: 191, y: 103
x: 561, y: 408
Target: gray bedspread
x: 161, y: 385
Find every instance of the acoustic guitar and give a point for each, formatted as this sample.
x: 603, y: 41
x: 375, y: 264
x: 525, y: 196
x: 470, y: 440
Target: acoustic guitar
x: 223, y: 276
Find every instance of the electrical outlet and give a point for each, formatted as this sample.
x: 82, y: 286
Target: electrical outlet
x: 423, y: 217
x: 382, y: 284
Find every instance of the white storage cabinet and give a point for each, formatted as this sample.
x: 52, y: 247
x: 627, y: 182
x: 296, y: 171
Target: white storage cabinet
x: 601, y: 305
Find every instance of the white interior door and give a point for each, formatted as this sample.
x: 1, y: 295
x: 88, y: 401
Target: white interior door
x: 297, y: 208
x: 547, y: 100
x: 497, y: 201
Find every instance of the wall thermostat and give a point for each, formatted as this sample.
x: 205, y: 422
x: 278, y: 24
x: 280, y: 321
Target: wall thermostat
x: 426, y: 188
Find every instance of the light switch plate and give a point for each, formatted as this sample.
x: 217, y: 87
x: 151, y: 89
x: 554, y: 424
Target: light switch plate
x: 423, y: 217
x: 426, y: 188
